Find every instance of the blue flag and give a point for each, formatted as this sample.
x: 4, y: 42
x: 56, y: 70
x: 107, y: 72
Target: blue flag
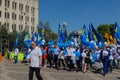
x: 17, y: 40
x: 116, y: 29
x: 97, y: 36
x: 27, y: 40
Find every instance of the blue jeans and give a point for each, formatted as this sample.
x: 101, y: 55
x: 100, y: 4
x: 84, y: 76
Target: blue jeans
x: 105, y: 67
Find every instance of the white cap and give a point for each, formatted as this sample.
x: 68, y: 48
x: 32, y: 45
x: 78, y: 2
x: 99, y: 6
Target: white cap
x: 72, y: 43
x: 118, y: 45
x: 105, y: 43
x: 43, y: 41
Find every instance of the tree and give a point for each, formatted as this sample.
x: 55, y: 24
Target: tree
x: 21, y: 41
x: 12, y: 39
x: 49, y: 34
x: 4, y: 38
x: 105, y: 28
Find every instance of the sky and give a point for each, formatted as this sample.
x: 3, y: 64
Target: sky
x: 76, y: 13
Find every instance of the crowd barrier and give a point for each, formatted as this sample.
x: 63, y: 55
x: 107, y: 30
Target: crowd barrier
x: 20, y: 56
x: 0, y: 57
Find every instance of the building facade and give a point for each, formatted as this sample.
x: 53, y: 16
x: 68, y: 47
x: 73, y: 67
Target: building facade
x: 19, y: 15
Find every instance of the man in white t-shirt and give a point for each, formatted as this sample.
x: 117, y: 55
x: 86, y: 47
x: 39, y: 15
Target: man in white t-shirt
x: 16, y: 51
x: 35, y: 60
x: 69, y: 57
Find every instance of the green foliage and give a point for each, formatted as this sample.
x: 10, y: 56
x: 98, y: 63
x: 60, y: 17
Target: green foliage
x: 21, y: 41
x: 48, y: 32
x: 105, y: 28
x: 12, y: 39
x: 4, y: 39
x: 3, y: 31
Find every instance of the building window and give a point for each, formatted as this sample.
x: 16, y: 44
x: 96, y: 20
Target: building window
x: 32, y: 10
x: 7, y: 3
x: 0, y: 14
x: 26, y: 19
x: 15, y: 6
x: 13, y: 26
x: 27, y: 8
x: 6, y: 25
x: 12, y: 5
x: 20, y: 17
x: 12, y: 15
x: 31, y: 19
x: 7, y: 15
x: 20, y: 7
x: 15, y: 17
x: 20, y: 27
x: 0, y: 2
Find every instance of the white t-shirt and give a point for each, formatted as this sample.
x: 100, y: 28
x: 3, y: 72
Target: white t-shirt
x: 70, y: 51
x: 34, y: 57
x: 16, y: 51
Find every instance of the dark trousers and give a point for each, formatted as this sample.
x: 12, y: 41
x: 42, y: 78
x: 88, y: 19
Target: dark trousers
x: 37, y: 73
x: 111, y: 65
x: 8, y: 56
x: 16, y: 59
x: 50, y: 59
x: 78, y: 65
x: 69, y: 62
x: 56, y: 61
x: 61, y: 61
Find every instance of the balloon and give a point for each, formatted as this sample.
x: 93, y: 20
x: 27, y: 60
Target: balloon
x: 77, y: 53
x: 43, y: 52
x: 100, y: 45
x: 64, y: 52
x: 92, y: 61
x: 51, y: 49
x: 84, y: 55
x: 94, y: 56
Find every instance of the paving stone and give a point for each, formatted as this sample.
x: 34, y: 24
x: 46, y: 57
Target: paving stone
x: 20, y: 71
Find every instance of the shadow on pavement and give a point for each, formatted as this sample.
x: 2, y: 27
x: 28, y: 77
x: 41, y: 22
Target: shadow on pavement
x: 118, y: 77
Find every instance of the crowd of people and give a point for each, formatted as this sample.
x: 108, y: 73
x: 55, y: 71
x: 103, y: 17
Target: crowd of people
x: 81, y: 58
x: 78, y: 58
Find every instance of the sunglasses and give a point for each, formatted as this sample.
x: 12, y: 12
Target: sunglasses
x: 32, y: 44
